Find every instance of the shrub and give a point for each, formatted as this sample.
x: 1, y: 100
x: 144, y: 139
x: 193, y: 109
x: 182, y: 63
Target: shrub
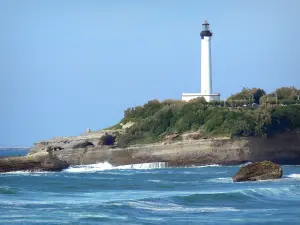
x: 155, y: 119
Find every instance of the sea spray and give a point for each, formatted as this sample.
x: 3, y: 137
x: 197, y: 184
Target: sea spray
x: 294, y: 175
x: 107, y: 166
x: 146, y: 166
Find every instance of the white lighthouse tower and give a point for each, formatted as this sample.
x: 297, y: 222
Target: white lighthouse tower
x: 206, y: 72
x: 206, y: 78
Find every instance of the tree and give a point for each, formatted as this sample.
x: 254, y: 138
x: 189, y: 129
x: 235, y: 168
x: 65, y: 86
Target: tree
x: 287, y: 93
x: 252, y: 95
x: 257, y: 94
x: 156, y: 119
x: 283, y: 95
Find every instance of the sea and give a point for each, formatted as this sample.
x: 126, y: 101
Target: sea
x: 150, y: 193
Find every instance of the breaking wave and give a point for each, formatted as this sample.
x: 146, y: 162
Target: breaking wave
x: 107, y: 166
x: 210, y: 165
x: 155, y: 206
x: 258, y: 194
x: 203, y: 166
x: 221, y: 180
x: 294, y: 175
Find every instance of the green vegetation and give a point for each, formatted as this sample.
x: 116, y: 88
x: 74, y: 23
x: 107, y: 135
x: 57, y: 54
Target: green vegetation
x: 155, y: 119
x: 252, y: 95
x: 284, y: 96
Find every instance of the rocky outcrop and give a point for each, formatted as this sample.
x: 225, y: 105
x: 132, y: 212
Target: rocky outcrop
x: 39, y: 162
x: 265, y: 170
x: 87, y: 140
x: 83, y: 144
x: 283, y: 149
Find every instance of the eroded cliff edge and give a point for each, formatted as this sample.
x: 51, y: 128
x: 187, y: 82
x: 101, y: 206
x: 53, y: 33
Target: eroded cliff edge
x: 283, y: 148
x: 42, y: 161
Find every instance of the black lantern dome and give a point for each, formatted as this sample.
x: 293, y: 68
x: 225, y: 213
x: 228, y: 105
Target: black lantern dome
x: 205, y: 30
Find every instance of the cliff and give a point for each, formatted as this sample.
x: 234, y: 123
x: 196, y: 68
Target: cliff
x: 162, y: 131
x: 283, y: 148
x: 42, y: 161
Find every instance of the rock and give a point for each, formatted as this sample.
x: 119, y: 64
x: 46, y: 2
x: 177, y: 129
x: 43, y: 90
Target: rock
x: 283, y: 148
x: 46, y: 161
x: 264, y: 170
x: 192, y: 136
x: 107, y: 139
x: 171, y: 137
x: 53, y: 148
x: 83, y: 144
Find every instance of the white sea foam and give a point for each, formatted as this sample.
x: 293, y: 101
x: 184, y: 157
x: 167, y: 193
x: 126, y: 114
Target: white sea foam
x: 155, y: 181
x: 154, y: 165
x: 245, y: 164
x: 211, y: 165
x: 294, y: 175
x: 152, y: 206
x: 27, y: 172
x: 107, y: 166
x: 152, y: 218
x: 221, y: 180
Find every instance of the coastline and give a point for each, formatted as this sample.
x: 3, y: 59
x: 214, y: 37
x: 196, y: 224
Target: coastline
x: 283, y: 148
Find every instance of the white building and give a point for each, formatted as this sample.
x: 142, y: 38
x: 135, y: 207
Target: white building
x: 206, y: 76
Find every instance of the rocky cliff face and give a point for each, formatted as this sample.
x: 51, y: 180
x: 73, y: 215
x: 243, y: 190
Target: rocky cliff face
x: 88, y: 149
x: 43, y: 161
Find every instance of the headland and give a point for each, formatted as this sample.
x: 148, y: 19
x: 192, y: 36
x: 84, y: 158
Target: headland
x: 193, y: 133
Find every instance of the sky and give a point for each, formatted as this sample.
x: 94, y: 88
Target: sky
x: 66, y: 66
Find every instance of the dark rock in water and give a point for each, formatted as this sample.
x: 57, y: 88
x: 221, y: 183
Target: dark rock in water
x: 265, y: 170
x: 38, y: 162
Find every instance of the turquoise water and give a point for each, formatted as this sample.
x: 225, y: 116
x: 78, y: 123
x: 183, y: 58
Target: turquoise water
x: 101, y: 194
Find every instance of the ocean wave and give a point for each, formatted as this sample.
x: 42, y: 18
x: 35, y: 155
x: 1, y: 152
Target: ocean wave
x: 154, y: 206
x: 222, y: 172
x: 7, y: 190
x: 28, y: 172
x: 107, y: 166
x: 155, y: 181
x: 294, y: 175
x: 292, y: 192
x: 210, y: 197
x: 204, y: 166
x: 220, y: 180
x: 245, y: 164
x: 241, y: 195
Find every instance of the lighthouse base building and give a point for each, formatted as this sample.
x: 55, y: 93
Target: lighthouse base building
x: 206, y: 75
x: 210, y: 97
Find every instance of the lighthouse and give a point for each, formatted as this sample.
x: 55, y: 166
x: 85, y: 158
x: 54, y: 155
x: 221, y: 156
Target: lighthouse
x: 206, y: 79
x: 206, y: 68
